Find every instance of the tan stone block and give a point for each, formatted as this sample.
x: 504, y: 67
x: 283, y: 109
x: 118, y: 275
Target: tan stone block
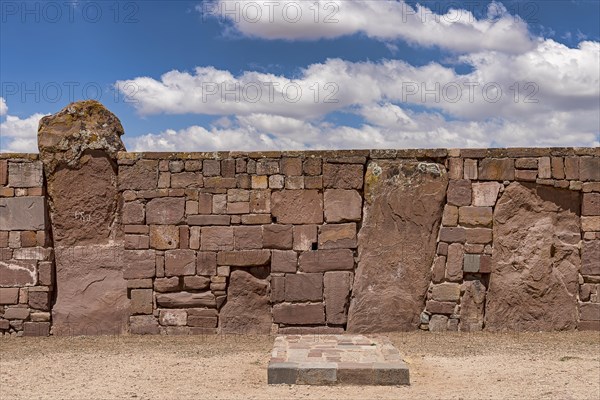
x: 217, y: 238
x: 450, y: 216
x: 164, y: 237
x: 342, y: 205
x: 276, y: 182
x: 304, y: 287
x: 260, y: 182
x: 141, y: 301
x: 337, y: 236
x: 260, y: 201
x: 247, y: 237
x: 590, y: 223
x: 475, y: 216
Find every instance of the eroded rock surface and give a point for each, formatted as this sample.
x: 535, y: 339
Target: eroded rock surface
x: 396, y: 244
x: 247, y: 309
x: 535, y: 261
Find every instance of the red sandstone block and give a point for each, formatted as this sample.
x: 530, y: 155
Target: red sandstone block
x: 558, y: 168
x: 304, y: 287
x: 572, y: 168
x: 327, y: 260
x: 36, y: 329
x: 440, y: 307
x: 312, y: 166
x: 590, y: 204
x: 228, y: 168
x: 39, y: 300
x: 3, y: 172
x: 459, y: 192
x: 180, y: 262
x: 244, y: 258
x: 206, y: 263
x: 299, y: 314
x: 284, y: 261
x: 589, y: 311
x: 217, y: 238
x: 496, y: 169
x: 247, y: 237
x: 589, y: 169
x: 139, y: 264
x: 475, y: 216
x: 291, y: 166
x: 277, y: 237
x: 343, y: 176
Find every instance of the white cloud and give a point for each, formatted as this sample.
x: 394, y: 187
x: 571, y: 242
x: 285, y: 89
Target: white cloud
x: 449, y: 28
x: 20, y: 135
x: 3, y: 107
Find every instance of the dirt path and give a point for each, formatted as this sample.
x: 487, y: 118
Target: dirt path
x: 443, y: 366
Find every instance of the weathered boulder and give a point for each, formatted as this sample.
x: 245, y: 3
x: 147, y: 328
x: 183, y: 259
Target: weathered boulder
x: 535, y: 261
x: 91, y: 294
x: 85, y: 125
x: 472, y: 306
x: 247, y: 309
x: 396, y: 244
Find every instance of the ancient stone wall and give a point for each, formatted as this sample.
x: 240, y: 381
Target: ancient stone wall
x: 27, y: 272
x: 327, y: 241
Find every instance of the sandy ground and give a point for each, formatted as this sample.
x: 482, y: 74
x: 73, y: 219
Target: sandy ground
x: 442, y: 366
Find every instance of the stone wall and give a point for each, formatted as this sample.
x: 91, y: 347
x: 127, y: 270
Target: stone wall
x: 26, y: 254
x: 316, y: 241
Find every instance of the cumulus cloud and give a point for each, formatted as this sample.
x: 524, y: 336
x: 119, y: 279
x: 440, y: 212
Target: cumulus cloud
x: 19, y: 135
x: 452, y: 28
x: 3, y: 107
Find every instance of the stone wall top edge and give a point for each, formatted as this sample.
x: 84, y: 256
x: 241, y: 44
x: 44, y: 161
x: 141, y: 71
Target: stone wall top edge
x: 516, y: 152
x: 20, y: 156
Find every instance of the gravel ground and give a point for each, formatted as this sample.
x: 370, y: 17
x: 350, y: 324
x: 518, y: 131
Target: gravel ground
x: 442, y: 366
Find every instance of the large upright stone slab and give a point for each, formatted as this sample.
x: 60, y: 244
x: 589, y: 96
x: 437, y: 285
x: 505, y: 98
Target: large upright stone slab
x: 535, y: 261
x: 78, y: 147
x: 92, y: 294
x: 396, y: 244
x: 247, y: 310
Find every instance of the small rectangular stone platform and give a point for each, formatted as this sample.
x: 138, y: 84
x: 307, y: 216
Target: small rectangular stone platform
x: 336, y: 360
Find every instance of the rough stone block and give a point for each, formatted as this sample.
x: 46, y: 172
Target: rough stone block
x: 143, y: 325
x: 526, y: 163
x: 172, y: 317
x: 572, y: 168
x: 299, y: 314
x: 206, y: 263
x: 23, y: 213
x: 326, y: 260
x: 186, y: 299
x: 139, y: 264
x: 291, y: 166
x: 164, y: 285
x: 589, y: 311
x: 455, y: 168
x: 260, y: 182
x: 589, y: 169
x: 496, y: 169
x: 453, y: 235
x: 475, y: 216
x: 485, y: 194
x: 446, y: 292
x: 312, y: 166
x: 459, y: 192
x: 471, y: 263
x: 479, y: 235
x: 133, y: 213
x: 590, y: 204
x: 267, y: 167
x: 244, y: 258
x: 143, y: 175
x: 440, y: 307
x: 36, y: 329
x: 304, y: 237
x: 39, y: 300
x: 590, y: 224
x: 342, y: 205
x: 260, y: 201
x: 337, y: 286
x: 18, y: 273
x: 297, y: 207
x: 284, y: 261
x: 16, y: 313
x: 136, y: 242
x: 470, y: 169
x: 450, y: 216
x: 337, y: 236
x: 343, y: 176
x: 438, y: 323
x: 45, y: 273
x: 217, y: 238
x: 558, y: 168
x: 454, y: 262
x: 165, y: 211
x: 3, y: 172
x: 204, y: 220
x: 247, y: 237
x: 141, y: 301
x: 544, y: 168
x: 180, y: 262
x: 304, y: 287
x: 590, y: 257
x: 164, y: 237
x: 25, y: 175
x: 277, y: 237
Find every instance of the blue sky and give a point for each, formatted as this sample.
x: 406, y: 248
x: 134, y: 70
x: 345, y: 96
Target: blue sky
x: 52, y: 53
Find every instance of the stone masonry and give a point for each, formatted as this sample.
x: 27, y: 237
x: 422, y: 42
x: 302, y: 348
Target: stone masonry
x: 96, y: 240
